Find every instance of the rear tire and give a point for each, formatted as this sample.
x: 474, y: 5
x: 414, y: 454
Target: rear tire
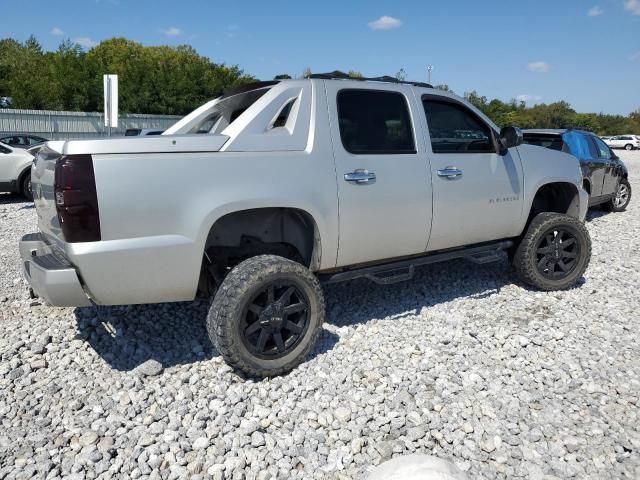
x: 266, y: 316
x: 554, y: 252
x: 621, y: 199
x: 628, y: 146
x: 25, y: 187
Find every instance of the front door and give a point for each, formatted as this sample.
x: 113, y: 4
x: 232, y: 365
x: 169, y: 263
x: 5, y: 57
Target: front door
x: 384, y: 183
x: 584, y: 149
x: 477, y: 191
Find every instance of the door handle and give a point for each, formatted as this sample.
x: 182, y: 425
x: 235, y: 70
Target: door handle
x: 450, y: 172
x: 360, y: 176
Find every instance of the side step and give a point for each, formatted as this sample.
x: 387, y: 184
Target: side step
x: 403, y: 270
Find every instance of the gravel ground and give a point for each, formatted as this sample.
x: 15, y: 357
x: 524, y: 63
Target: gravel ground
x: 462, y: 362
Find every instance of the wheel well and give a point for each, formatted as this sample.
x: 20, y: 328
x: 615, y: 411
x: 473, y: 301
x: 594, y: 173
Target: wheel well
x: 21, y: 177
x: 289, y: 232
x: 559, y: 197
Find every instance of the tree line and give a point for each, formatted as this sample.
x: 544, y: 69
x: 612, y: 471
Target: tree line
x: 175, y: 80
x: 157, y: 79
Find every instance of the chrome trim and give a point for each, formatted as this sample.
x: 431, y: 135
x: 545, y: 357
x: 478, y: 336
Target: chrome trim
x: 360, y: 176
x: 450, y: 172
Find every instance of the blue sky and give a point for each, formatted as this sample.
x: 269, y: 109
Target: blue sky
x: 585, y: 52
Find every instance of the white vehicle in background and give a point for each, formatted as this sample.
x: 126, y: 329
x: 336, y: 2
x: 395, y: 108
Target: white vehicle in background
x: 15, y: 170
x: 628, y: 142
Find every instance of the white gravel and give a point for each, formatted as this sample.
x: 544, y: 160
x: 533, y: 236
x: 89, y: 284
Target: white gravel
x: 462, y: 363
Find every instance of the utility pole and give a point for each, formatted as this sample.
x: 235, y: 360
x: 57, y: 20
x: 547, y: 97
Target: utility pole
x: 429, y: 68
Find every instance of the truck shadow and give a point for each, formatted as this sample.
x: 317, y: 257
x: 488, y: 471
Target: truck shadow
x: 176, y: 334
x: 360, y: 301
x: 170, y: 333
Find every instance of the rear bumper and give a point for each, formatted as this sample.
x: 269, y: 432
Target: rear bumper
x: 50, y: 275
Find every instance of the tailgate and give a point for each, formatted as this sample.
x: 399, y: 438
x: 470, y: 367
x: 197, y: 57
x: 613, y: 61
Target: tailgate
x: 42, y: 184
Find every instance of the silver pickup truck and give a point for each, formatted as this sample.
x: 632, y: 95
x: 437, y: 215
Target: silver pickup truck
x: 258, y: 197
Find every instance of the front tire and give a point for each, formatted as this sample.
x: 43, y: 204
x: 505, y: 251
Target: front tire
x: 266, y: 315
x: 554, y: 252
x: 25, y: 187
x: 621, y: 199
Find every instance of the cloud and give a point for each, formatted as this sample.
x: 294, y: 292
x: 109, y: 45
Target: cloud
x: 539, y: 67
x: 635, y: 56
x: 171, y: 32
x: 385, y: 23
x: 595, y: 11
x: 632, y: 6
x: 525, y: 97
x: 85, y: 42
x: 57, y: 31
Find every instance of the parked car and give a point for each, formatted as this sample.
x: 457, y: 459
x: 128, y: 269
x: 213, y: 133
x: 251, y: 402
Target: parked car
x: 136, y: 132
x: 21, y: 140
x: 260, y: 227
x: 605, y: 176
x: 628, y: 142
x: 15, y: 170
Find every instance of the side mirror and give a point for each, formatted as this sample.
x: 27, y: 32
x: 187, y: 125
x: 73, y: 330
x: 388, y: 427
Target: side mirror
x: 511, y: 137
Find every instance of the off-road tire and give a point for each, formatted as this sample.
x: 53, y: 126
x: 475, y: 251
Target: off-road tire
x: 236, y: 292
x: 525, y: 259
x: 611, y: 204
x: 25, y: 187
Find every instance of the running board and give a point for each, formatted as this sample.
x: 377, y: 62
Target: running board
x: 402, y: 270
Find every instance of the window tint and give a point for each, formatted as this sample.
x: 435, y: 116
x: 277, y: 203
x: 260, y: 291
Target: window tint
x: 580, y: 146
x: 455, y: 129
x: 602, y: 149
x: 13, y: 141
x: 554, y: 142
x: 374, y: 122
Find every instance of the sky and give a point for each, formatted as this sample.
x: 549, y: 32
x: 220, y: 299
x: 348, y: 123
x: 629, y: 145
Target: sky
x: 585, y: 52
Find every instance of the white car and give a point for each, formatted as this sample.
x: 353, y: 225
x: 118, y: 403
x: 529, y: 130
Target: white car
x: 15, y: 170
x: 628, y: 142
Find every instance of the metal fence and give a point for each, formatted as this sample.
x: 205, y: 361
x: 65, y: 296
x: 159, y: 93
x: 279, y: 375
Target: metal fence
x: 55, y: 125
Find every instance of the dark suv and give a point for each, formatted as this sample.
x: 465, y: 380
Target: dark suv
x: 605, y: 175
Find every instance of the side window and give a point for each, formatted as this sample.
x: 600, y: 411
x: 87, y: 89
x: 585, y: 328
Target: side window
x: 580, y: 146
x: 455, y: 129
x: 375, y: 122
x: 603, y: 150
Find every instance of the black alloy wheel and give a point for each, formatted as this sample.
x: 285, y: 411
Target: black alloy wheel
x: 266, y: 315
x: 556, y: 253
x: 275, y: 320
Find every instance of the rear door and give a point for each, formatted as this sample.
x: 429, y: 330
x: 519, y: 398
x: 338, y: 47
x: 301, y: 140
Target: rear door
x: 477, y: 192
x: 611, y: 172
x: 384, y: 184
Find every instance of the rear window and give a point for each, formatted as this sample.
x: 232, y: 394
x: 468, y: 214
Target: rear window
x: 374, y: 122
x: 553, y: 142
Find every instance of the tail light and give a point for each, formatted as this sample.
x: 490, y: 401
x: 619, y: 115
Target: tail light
x: 76, y: 198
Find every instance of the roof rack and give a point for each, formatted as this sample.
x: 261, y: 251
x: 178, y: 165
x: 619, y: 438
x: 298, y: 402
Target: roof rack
x: 338, y: 75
